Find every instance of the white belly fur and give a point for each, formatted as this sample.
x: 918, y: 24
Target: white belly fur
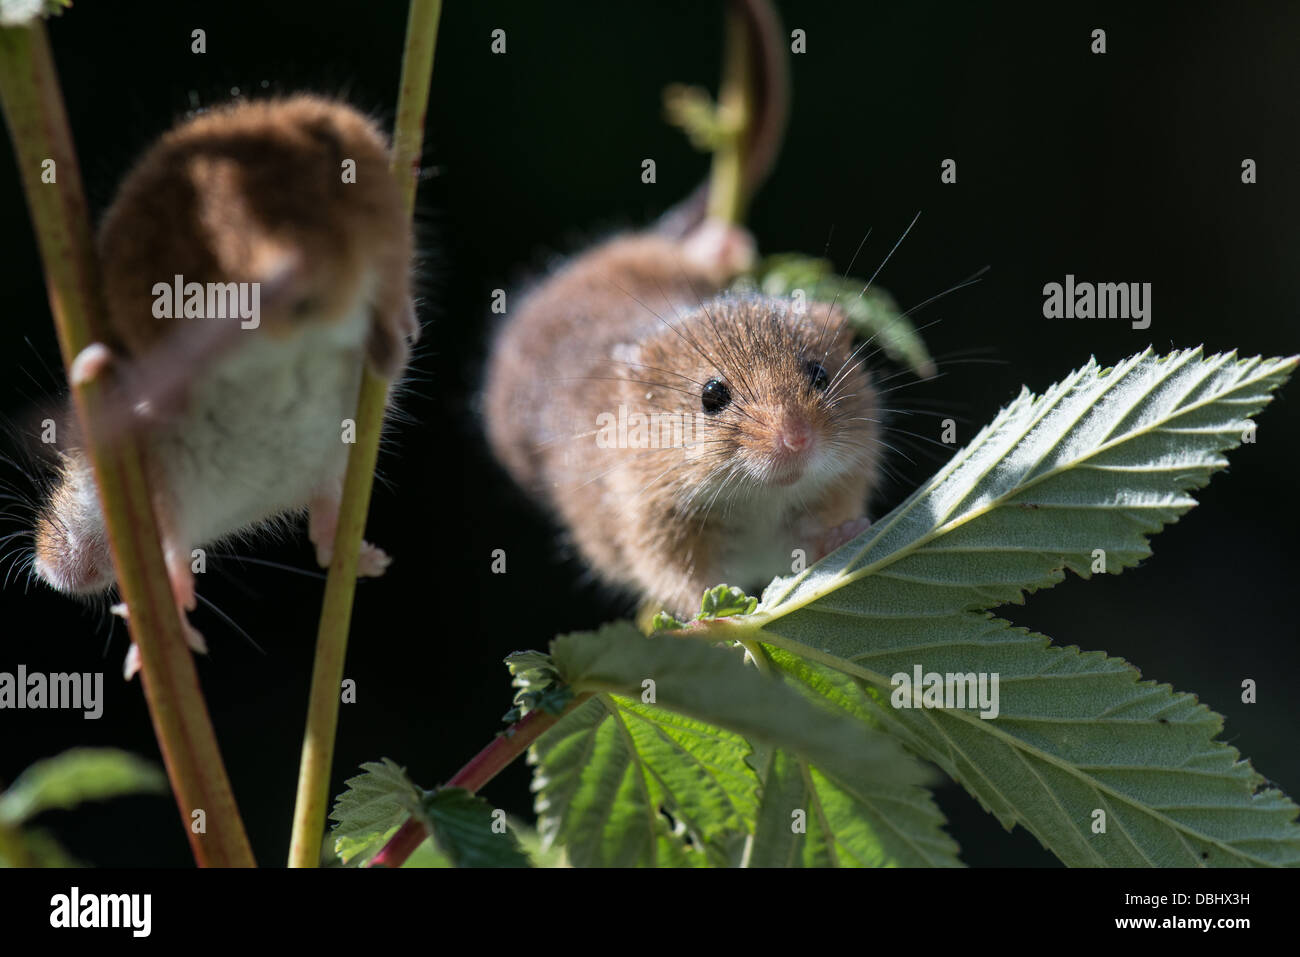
x: 263, y: 431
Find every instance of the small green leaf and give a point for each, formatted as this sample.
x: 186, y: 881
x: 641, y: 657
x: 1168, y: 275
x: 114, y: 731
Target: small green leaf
x: 723, y: 601
x: 371, y: 808
x: 691, y: 109
x: 469, y: 832
x: 662, y: 621
x: 538, y: 683
x: 81, y: 774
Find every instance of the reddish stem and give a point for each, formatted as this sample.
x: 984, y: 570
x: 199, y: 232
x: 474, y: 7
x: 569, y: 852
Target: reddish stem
x: 481, y: 769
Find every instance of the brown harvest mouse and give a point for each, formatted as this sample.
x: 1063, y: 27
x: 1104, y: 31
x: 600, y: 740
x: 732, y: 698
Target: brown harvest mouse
x: 252, y: 259
x: 686, y: 437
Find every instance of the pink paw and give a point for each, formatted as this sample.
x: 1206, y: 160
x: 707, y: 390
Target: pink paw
x: 720, y: 249
x: 90, y: 363
x: 833, y: 538
x: 371, y: 563
x: 374, y: 561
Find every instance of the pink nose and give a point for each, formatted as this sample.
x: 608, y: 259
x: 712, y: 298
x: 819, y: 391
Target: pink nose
x: 796, y: 436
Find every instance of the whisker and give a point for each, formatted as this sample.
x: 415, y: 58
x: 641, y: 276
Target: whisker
x: 230, y: 621
x: 891, y: 253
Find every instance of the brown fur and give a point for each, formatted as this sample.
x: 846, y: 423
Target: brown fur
x: 253, y: 192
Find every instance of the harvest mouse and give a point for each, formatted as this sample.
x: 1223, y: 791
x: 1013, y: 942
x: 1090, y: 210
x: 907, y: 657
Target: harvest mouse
x: 683, y: 436
x: 288, y: 207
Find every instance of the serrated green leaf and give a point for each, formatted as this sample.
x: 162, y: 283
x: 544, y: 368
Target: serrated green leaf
x: 539, y: 686
x: 469, y: 832
x: 847, y: 818
x: 610, y: 770
x: 77, y: 775
x: 606, y: 770
x: 538, y: 851
x: 807, y: 820
x: 871, y: 310
x: 370, y: 810
x: 1095, y: 465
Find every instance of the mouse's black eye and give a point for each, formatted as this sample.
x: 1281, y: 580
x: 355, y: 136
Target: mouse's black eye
x: 817, y: 376
x: 715, y: 397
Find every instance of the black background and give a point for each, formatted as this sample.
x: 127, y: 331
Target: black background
x: 1122, y: 167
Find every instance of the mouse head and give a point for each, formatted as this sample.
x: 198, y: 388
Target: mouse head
x: 780, y: 405
x: 293, y: 195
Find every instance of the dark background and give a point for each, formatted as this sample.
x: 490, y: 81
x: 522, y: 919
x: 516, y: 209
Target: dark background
x: 1122, y: 167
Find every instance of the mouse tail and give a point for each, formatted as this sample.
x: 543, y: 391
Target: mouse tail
x: 769, y: 79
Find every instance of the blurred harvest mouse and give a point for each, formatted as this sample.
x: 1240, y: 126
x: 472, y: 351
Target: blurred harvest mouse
x: 252, y: 259
x: 683, y: 436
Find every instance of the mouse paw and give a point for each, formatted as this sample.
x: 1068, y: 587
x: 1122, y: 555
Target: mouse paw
x: 131, y: 665
x: 89, y: 364
x: 720, y: 249
x: 322, y: 525
x: 374, y: 561
x: 371, y: 563
x: 833, y: 538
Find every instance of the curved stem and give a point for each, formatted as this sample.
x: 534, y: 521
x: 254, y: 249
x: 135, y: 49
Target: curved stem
x: 33, y: 106
x: 336, y: 611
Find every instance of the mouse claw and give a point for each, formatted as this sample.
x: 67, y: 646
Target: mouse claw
x: 193, y: 637
x: 132, y: 663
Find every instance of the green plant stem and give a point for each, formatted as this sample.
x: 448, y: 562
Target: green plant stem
x: 33, y: 106
x: 481, y: 769
x: 336, y: 610
x: 727, y: 199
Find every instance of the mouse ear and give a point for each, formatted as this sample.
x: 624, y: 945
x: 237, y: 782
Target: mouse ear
x: 390, y: 339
